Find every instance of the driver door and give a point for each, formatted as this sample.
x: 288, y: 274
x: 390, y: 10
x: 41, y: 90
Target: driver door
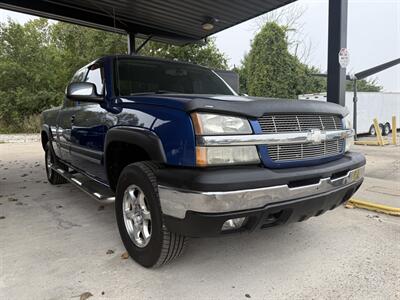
x: 65, y: 120
x: 88, y: 129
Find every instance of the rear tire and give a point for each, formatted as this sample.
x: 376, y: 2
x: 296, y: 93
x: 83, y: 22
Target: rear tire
x: 50, y: 160
x: 140, y: 220
x: 386, y: 129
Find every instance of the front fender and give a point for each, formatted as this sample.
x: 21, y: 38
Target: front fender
x: 45, y: 135
x: 141, y: 137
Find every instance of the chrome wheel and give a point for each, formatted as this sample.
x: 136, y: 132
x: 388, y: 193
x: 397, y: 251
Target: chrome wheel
x: 137, y: 216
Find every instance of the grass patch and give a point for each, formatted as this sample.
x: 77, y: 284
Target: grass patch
x: 30, y: 124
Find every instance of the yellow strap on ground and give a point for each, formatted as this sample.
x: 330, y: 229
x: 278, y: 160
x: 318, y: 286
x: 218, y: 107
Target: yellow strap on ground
x: 394, y: 130
x: 366, y: 143
x: 370, y: 143
x: 394, y: 211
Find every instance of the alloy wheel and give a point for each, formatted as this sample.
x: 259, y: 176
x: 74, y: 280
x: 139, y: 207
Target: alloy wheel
x: 137, y: 216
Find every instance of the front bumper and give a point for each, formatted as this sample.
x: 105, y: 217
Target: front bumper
x: 295, y: 193
x: 197, y: 224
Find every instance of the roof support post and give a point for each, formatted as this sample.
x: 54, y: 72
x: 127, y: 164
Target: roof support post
x: 131, y: 43
x: 337, y: 39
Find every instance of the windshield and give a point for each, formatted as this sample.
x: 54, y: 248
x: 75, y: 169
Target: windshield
x: 148, y: 76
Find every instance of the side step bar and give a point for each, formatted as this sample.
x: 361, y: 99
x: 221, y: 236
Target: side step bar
x: 94, y: 189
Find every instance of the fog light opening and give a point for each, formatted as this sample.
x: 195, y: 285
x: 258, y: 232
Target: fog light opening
x: 233, y: 224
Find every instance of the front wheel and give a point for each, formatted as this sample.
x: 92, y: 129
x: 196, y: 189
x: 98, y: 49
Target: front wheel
x: 140, y: 220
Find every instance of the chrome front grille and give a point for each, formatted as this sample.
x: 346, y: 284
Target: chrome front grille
x: 297, y: 123
x: 301, y: 123
x: 305, y: 151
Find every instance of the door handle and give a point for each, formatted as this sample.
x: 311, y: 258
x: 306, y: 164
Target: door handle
x: 72, y: 119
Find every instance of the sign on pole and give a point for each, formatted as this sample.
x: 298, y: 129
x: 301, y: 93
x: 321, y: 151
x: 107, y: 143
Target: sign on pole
x: 344, y: 57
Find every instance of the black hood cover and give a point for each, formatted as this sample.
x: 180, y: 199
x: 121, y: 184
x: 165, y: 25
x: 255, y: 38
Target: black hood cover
x: 256, y: 106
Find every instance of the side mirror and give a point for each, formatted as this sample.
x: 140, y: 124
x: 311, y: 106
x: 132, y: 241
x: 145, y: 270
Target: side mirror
x: 84, y: 92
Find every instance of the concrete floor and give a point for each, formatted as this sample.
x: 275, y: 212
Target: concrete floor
x: 54, y: 242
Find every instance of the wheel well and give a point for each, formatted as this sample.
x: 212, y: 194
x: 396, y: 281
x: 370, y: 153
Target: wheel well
x: 118, y: 156
x: 44, y: 139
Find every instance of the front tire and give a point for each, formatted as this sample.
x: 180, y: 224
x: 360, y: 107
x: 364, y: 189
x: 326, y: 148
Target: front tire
x: 140, y: 220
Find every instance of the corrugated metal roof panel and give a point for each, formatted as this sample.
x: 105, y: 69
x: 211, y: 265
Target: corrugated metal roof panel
x: 167, y: 20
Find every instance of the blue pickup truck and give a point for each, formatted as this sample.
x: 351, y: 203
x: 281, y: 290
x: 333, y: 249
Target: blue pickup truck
x: 183, y: 155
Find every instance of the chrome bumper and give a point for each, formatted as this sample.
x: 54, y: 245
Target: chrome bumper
x: 176, y: 202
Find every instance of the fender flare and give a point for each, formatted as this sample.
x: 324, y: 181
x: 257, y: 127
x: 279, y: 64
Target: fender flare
x: 138, y: 136
x: 46, y: 130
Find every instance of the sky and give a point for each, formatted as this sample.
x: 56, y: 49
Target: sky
x: 373, y: 36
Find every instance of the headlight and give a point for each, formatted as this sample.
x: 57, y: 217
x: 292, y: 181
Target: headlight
x: 216, y: 156
x: 348, y: 124
x: 213, y: 124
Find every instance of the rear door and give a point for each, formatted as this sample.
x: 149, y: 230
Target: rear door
x: 89, y: 129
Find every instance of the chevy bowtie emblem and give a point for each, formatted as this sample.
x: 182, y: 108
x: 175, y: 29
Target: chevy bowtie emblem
x: 316, y: 136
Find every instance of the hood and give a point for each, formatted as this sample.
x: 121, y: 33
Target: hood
x: 252, y: 107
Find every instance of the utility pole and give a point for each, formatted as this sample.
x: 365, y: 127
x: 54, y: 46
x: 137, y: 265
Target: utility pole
x: 337, y: 40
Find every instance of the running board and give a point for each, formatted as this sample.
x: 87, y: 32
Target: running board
x: 94, y: 189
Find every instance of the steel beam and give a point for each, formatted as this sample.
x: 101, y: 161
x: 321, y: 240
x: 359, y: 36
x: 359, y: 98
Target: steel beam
x: 131, y: 43
x: 337, y: 39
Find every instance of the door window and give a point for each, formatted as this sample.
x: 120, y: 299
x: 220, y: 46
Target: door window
x: 79, y: 76
x: 96, y: 76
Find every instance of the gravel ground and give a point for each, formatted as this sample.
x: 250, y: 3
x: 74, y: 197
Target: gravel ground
x: 57, y: 243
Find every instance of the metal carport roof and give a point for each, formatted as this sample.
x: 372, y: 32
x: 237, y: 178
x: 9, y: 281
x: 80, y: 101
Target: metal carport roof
x: 173, y: 21
x: 181, y: 22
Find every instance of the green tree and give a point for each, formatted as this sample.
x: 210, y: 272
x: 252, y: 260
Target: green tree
x: 364, y: 86
x: 77, y: 46
x: 206, y: 54
x: 27, y: 82
x: 270, y: 70
x: 38, y: 58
